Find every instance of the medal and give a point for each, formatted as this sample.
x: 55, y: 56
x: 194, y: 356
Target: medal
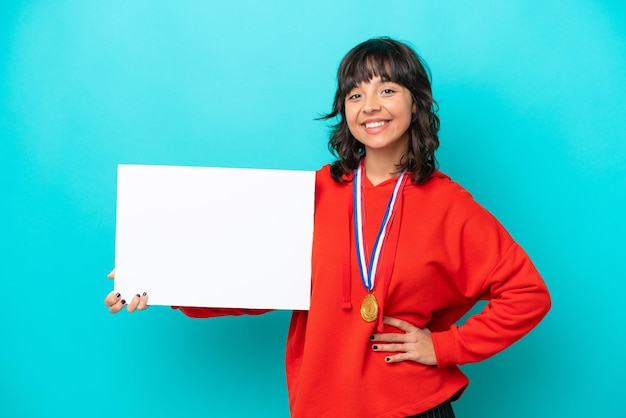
x: 369, y: 306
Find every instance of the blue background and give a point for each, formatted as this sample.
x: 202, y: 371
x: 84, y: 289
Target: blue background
x: 532, y: 110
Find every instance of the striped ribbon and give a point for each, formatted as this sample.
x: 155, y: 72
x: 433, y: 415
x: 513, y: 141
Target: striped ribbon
x: 368, y: 272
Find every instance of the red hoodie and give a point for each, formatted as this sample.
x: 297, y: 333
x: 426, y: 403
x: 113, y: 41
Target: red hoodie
x: 444, y: 253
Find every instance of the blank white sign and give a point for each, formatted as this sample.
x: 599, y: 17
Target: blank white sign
x: 215, y: 237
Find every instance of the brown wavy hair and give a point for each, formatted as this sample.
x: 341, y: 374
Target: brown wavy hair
x: 396, y: 62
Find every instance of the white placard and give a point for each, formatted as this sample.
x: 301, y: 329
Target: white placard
x: 215, y: 237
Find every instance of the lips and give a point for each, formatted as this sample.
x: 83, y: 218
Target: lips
x: 377, y: 124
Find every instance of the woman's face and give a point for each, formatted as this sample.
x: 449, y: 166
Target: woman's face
x: 378, y: 114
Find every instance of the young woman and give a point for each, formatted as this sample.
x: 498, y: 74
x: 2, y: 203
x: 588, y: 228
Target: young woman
x: 400, y: 254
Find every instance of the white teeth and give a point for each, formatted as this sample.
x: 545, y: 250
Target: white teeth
x: 375, y: 124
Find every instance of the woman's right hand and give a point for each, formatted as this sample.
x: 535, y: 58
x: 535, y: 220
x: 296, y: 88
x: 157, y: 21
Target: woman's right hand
x: 116, y: 303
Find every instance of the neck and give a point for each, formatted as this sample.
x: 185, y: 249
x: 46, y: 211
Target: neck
x: 379, y: 168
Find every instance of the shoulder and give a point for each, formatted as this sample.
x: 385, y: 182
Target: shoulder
x: 327, y: 190
x: 453, y: 204
x: 324, y: 179
x: 441, y: 190
x: 323, y: 172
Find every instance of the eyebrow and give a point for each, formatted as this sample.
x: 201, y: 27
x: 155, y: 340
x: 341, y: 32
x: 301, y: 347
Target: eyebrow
x: 381, y: 81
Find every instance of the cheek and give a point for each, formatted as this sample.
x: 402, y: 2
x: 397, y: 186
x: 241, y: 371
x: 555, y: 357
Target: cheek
x: 352, y: 117
x: 353, y: 130
x: 351, y: 113
x: 353, y: 127
x: 404, y: 112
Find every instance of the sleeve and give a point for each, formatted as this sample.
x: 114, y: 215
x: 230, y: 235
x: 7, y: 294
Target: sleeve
x: 491, y: 267
x: 194, y: 312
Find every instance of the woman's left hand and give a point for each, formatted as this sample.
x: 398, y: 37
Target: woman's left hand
x: 415, y: 344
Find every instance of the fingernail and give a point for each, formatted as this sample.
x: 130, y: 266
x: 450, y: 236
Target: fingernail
x: 138, y: 295
x: 123, y: 302
x: 375, y: 347
x: 387, y: 359
x: 117, y: 295
x: 144, y: 293
x: 371, y: 337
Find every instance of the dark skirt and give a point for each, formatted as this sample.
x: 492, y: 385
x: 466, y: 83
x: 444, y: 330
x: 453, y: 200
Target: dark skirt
x: 440, y: 411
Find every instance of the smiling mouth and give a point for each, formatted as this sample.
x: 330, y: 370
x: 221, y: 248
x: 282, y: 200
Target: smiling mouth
x: 371, y: 125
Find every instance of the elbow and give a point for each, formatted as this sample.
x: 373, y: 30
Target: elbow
x: 542, y: 303
x: 547, y: 302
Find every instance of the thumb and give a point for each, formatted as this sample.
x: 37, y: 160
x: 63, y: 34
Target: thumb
x: 111, y: 275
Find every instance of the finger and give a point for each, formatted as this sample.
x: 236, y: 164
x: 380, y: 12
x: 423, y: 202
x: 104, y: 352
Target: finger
x: 111, y: 275
x: 390, y: 337
x: 112, y: 298
x: 133, y: 303
x: 391, y: 348
x: 400, y: 324
x: 143, y: 302
x: 117, y: 306
x: 398, y: 358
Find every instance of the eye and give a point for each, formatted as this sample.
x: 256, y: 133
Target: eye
x: 353, y: 96
x: 388, y: 91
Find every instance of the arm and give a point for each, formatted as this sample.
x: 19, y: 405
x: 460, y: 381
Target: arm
x: 518, y: 300
x: 481, y: 262
x: 197, y: 312
x: 115, y: 302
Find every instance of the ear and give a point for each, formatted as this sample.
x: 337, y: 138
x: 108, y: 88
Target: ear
x: 414, y: 108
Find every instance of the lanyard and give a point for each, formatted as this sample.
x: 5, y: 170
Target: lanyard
x: 368, y: 272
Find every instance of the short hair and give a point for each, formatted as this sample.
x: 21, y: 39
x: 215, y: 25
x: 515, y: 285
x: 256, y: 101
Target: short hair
x: 397, y: 62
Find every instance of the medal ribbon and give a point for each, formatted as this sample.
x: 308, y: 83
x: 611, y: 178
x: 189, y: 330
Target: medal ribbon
x: 368, y: 272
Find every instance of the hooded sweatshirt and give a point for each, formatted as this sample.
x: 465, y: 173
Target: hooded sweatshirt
x: 443, y: 253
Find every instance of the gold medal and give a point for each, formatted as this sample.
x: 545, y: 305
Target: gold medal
x: 369, y: 308
x: 369, y: 269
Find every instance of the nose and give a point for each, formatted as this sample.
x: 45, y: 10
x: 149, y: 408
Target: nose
x: 371, y: 104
